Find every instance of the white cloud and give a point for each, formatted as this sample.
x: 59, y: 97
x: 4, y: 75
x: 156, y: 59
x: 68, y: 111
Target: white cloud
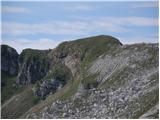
x: 78, y: 7
x: 40, y: 44
x: 138, y: 21
x: 146, y: 5
x: 11, y: 9
x: 56, y: 27
x: 133, y: 40
x: 81, y: 26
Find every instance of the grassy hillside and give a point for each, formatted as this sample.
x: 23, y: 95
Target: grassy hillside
x: 19, y: 104
x: 10, y: 88
x: 84, y: 53
x: 87, y: 50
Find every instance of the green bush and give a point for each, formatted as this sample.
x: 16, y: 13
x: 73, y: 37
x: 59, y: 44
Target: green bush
x: 35, y: 100
x: 59, y: 72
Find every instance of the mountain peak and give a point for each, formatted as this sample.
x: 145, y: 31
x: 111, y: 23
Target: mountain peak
x: 87, y: 75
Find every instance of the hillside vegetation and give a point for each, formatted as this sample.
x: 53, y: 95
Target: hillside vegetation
x: 95, y: 77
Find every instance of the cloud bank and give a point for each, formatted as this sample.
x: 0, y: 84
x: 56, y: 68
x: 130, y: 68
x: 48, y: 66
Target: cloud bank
x: 41, y: 44
x: 11, y: 9
x: 146, y: 5
x: 77, y: 27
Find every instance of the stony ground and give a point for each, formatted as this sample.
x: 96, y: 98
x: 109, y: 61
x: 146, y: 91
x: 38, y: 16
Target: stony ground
x: 128, y: 89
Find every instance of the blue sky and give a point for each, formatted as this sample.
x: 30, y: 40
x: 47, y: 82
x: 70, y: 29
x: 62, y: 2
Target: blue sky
x: 43, y: 25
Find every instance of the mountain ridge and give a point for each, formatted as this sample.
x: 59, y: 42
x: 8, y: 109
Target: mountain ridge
x: 71, y: 69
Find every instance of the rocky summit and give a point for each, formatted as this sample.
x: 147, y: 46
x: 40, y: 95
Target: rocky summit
x: 94, y: 77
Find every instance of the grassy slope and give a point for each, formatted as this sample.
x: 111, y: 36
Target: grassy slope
x: 88, y: 49
x: 18, y: 104
x: 10, y: 87
x: 59, y: 71
x: 28, y: 54
x: 20, y: 97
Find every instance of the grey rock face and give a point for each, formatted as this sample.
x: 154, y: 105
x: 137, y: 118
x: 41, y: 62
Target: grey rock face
x: 9, y: 60
x: 48, y: 87
x: 56, y: 78
x: 33, y: 66
x: 128, y: 88
x: 31, y: 71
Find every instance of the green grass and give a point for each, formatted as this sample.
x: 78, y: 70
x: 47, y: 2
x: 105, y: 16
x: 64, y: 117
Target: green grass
x: 35, y: 100
x: 29, y: 55
x: 19, y: 104
x: 89, y: 48
x: 16, y: 99
x: 73, y: 87
x: 60, y: 72
x: 10, y: 87
x: 90, y: 79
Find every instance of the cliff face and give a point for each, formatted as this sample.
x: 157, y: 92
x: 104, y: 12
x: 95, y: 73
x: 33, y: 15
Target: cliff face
x: 95, y: 77
x: 9, y: 60
x: 36, y: 65
x: 9, y: 71
x: 33, y: 66
x: 55, y: 79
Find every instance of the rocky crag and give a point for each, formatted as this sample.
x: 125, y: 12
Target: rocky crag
x: 9, y: 59
x: 95, y: 77
x: 9, y: 71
